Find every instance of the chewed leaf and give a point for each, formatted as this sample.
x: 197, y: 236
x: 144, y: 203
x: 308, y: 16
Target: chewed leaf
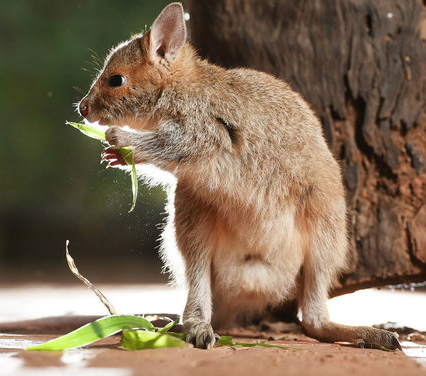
x: 98, y: 132
x: 142, y: 340
x: 94, y: 331
x: 91, y: 130
x: 127, y: 154
x: 134, y: 185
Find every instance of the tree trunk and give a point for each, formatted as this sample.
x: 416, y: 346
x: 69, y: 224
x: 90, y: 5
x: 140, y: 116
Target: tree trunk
x: 361, y: 64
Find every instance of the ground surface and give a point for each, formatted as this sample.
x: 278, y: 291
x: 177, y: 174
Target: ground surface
x: 106, y: 358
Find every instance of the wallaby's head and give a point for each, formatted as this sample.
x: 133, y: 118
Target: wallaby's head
x: 136, y: 71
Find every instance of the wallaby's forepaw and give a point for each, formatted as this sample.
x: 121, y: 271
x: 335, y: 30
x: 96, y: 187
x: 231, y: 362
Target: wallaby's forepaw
x: 118, y: 137
x: 113, y: 157
x: 200, y: 334
x: 379, y: 338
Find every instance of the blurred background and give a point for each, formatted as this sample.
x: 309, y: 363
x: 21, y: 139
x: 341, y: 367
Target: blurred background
x: 52, y: 185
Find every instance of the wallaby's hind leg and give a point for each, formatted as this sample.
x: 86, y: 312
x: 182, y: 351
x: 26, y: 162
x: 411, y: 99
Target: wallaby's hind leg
x: 323, y: 260
x: 316, y: 322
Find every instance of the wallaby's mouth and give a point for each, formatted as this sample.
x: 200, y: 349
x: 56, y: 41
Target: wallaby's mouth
x: 103, y: 121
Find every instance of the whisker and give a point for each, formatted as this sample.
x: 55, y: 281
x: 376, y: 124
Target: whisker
x: 97, y: 61
x: 90, y: 70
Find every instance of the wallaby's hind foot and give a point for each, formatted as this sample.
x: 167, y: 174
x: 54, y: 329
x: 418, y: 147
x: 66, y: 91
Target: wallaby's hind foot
x: 361, y: 336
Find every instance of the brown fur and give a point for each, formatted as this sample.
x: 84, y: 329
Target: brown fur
x: 258, y: 197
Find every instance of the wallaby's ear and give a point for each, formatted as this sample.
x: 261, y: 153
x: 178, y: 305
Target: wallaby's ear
x: 168, y: 33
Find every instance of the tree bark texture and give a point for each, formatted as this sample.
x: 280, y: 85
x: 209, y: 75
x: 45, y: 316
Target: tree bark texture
x: 361, y: 64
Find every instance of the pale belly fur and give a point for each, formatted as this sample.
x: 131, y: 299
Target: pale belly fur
x: 255, y: 268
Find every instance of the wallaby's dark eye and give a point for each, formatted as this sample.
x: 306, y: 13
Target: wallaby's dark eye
x: 117, y: 80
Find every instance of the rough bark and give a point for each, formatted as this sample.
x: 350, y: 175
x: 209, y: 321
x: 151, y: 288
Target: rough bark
x: 361, y: 64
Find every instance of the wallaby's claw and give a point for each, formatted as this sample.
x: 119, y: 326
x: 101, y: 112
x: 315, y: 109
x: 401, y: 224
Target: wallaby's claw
x: 384, y: 338
x: 396, y: 344
x: 113, y: 156
x: 202, y: 336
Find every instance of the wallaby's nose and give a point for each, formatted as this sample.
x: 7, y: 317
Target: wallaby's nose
x: 83, y: 108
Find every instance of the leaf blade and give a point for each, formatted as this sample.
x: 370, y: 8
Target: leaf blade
x: 94, y: 331
x: 127, y: 154
x: 226, y: 341
x: 169, y: 326
x: 98, y: 132
x: 143, y: 340
x: 94, y: 131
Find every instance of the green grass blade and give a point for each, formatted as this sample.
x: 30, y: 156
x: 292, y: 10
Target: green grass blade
x: 128, y: 157
x: 243, y: 344
x: 127, y: 154
x: 93, y: 331
x: 134, y: 186
x: 98, y: 132
x: 90, y: 130
x: 225, y: 341
x: 169, y: 326
x: 142, y: 340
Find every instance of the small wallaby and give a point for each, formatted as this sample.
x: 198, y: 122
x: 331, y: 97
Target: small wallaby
x: 257, y: 208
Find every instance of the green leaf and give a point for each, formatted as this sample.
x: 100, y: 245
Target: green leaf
x: 127, y: 154
x: 91, y: 130
x: 169, y: 326
x: 142, y: 340
x: 181, y: 336
x: 94, y: 331
x: 98, y: 132
x: 243, y: 344
x: 225, y: 341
